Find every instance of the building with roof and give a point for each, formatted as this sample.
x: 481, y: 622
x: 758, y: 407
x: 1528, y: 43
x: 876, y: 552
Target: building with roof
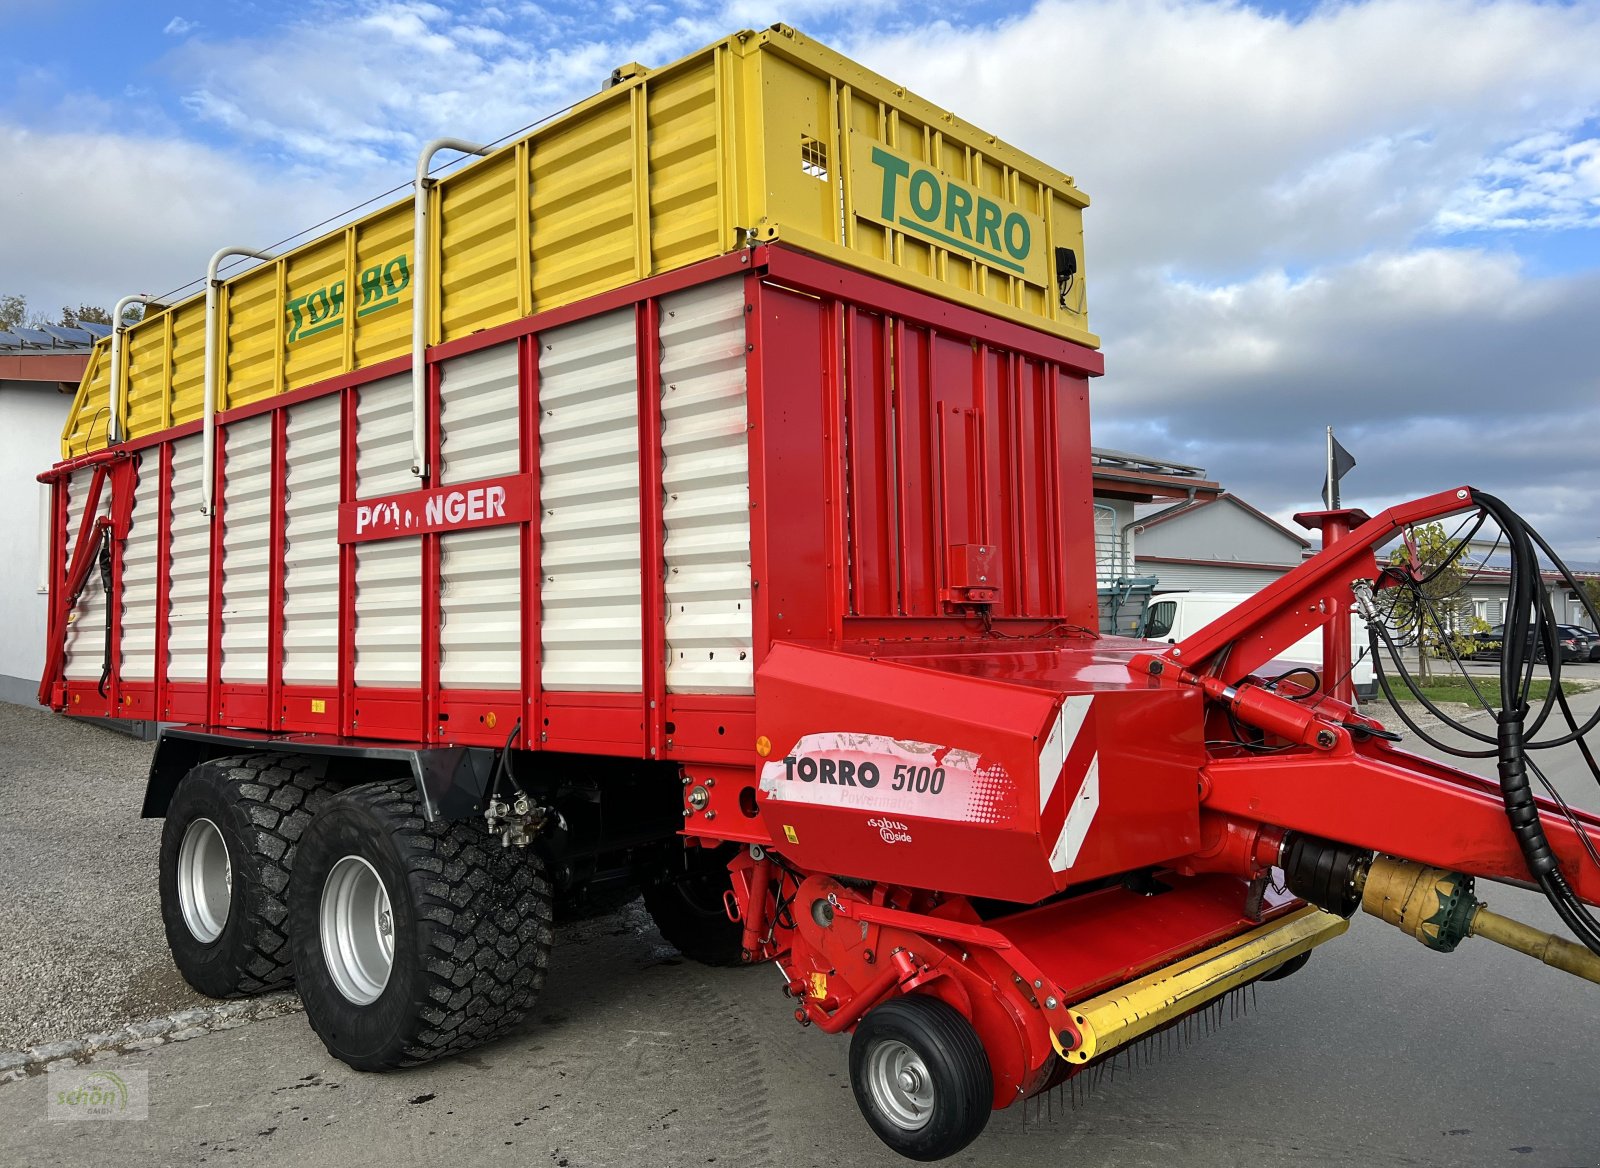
x: 1125, y: 482
x: 1487, y: 587
x: 1216, y: 543
x: 39, y: 373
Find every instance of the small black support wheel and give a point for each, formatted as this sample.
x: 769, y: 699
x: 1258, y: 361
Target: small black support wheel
x: 227, y: 848
x: 687, y: 905
x: 413, y: 940
x: 1289, y: 968
x: 921, y: 1077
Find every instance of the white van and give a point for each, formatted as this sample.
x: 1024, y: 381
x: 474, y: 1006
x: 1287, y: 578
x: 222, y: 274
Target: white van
x: 1172, y: 616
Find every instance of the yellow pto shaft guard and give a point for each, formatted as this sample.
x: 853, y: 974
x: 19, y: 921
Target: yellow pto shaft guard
x: 1437, y: 907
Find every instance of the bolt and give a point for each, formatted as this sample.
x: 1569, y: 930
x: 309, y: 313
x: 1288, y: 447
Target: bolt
x: 711, y: 782
x: 1326, y: 739
x: 686, y: 781
x: 1037, y: 984
x: 1050, y: 1003
x: 1461, y: 494
x: 1155, y: 668
x: 711, y: 814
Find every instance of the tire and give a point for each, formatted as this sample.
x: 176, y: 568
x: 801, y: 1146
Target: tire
x: 245, y: 816
x: 687, y: 906
x: 469, y: 930
x: 921, y: 1077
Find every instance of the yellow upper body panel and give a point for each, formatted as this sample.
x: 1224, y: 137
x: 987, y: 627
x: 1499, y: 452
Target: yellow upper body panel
x: 761, y: 137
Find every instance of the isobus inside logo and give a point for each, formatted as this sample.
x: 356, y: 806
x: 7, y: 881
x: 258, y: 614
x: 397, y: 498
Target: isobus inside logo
x: 915, y: 197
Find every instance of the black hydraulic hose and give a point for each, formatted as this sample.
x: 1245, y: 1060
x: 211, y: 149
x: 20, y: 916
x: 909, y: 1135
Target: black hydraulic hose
x: 1528, y: 612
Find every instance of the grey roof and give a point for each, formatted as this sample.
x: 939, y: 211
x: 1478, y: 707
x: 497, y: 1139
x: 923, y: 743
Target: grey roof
x: 53, y: 338
x: 1122, y: 460
x: 69, y: 334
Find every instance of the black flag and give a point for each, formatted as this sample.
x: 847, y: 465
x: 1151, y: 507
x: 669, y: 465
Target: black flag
x: 1340, y: 461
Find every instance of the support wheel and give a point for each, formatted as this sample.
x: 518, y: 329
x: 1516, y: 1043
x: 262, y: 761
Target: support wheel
x: 226, y: 850
x: 921, y: 1077
x: 687, y: 906
x: 413, y: 940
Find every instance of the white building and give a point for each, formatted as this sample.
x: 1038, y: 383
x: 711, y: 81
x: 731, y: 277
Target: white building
x: 1215, y: 544
x: 39, y: 373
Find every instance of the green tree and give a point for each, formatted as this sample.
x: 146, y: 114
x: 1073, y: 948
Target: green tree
x: 1433, y: 614
x: 13, y: 311
x: 92, y: 313
x: 1591, y: 588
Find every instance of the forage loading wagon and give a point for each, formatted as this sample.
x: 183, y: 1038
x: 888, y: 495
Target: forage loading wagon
x: 693, y: 495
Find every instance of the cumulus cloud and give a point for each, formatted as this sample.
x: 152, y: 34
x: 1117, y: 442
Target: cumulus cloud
x: 156, y: 210
x: 1313, y: 222
x: 1324, y: 219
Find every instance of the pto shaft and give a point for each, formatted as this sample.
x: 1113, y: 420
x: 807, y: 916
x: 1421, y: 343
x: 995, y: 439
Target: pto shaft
x: 1437, y: 908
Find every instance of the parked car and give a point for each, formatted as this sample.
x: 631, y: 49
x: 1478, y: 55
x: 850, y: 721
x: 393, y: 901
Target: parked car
x: 1572, y: 646
x: 1584, y: 637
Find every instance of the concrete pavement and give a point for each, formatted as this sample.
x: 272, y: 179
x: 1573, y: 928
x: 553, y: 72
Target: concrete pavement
x: 1379, y: 1053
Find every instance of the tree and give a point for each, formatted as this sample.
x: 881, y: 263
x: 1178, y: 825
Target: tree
x: 1591, y: 589
x: 14, y: 314
x: 13, y: 311
x: 92, y: 313
x: 1432, y: 613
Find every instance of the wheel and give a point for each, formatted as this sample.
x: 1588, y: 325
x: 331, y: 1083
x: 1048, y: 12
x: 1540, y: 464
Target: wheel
x: 921, y: 1077
x: 413, y: 940
x: 226, y: 850
x: 1289, y: 968
x: 688, y: 907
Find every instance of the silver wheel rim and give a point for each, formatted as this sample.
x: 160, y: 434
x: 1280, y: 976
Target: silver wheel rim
x: 205, y: 880
x: 357, y: 929
x: 900, y: 1085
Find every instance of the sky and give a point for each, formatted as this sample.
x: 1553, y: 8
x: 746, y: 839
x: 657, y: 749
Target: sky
x: 1382, y: 216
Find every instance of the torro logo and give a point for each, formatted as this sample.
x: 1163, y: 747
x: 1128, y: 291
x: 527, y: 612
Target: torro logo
x: 917, y: 198
x: 324, y: 309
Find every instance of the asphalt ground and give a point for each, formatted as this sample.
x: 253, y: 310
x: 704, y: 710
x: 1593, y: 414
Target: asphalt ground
x: 81, y: 945
x: 1378, y: 1053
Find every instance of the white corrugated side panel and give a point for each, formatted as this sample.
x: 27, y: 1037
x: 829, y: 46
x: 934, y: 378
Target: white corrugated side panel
x: 140, y: 553
x: 189, y: 588
x: 388, y: 571
x: 86, y: 635
x: 706, y: 485
x: 311, y: 544
x: 589, y: 589
x: 246, y: 549
x: 480, y: 572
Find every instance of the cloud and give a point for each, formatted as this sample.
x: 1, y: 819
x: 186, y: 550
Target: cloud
x: 161, y: 207
x: 1298, y: 221
x: 1547, y: 181
x: 178, y: 26
x: 1436, y: 366
x: 1307, y: 222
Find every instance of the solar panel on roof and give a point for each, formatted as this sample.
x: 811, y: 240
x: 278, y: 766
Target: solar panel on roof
x: 10, y: 339
x: 68, y: 334
x: 95, y: 328
x: 35, y: 336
